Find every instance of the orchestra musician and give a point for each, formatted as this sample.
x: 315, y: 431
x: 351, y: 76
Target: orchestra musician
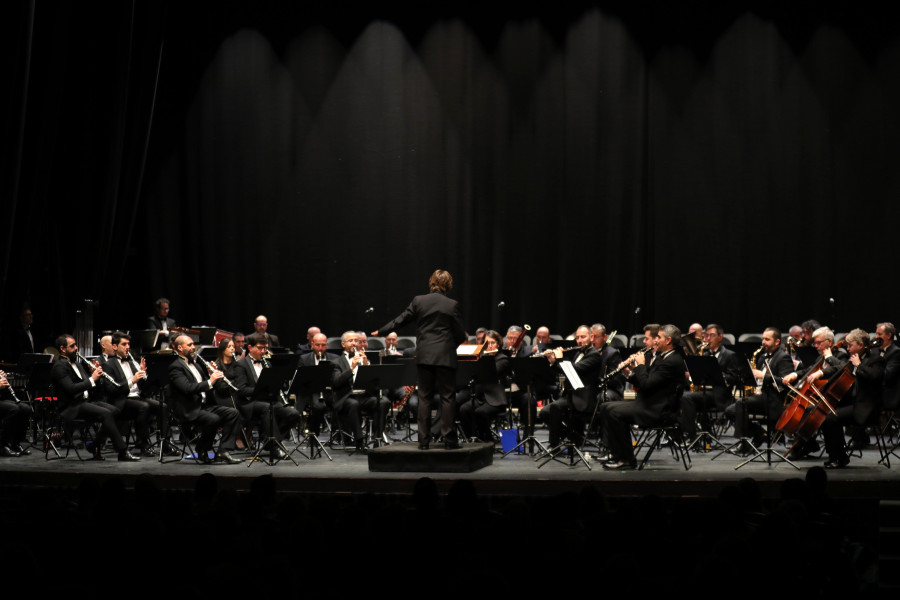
x: 106, y: 347
x: 310, y: 334
x: 261, y: 326
x: 350, y: 403
x: 189, y: 388
x: 541, y: 340
x: 770, y: 401
x: 226, y: 395
x: 161, y: 320
x: 239, y: 350
x: 659, y: 384
x: 865, y: 395
x: 316, y: 405
x: 831, y: 361
x: 126, y: 397
x: 246, y: 374
x: 13, y: 420
x: 515, y: 338
x: 390, y: 345
x: 439, y: 331
x: 700, y: 401
x: 889, y: 351
x: 490, y: 398
x: 74, y: 386
x: 579, y: 404
x: 611, y: 357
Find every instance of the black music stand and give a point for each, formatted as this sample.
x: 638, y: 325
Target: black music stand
x: 269, y: 385
x: 379, y: 377
x: 525, y: 370
x: 770, y: 424
x: 158, y: 382
x: 566, y: 445
x: 309, y: 382
x: 706, y: 373
x: 39, y: 384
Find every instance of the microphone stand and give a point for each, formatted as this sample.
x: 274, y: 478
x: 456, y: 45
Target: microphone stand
x: 768, y: 451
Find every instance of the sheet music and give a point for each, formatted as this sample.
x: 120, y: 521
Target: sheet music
x: 569, y: 369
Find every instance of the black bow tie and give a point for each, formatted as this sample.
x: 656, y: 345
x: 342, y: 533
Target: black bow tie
x: 257, y: 362
x: 124, y: 360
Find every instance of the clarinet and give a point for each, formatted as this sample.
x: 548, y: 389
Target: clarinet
x: 211, y: 368
x: 92, y: 368
x: 11, y: 390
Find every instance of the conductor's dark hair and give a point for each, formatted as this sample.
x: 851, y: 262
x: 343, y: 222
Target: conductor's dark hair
x: 440, y: 281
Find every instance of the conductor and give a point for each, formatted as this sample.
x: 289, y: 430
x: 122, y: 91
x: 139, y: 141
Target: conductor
x: 439, y: 331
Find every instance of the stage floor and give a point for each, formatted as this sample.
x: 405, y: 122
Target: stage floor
x: 516, y: 474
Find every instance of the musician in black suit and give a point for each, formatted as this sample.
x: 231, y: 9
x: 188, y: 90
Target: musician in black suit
x: 717, y: 396
x: 73, y: 386
x: 191, y: 387
x: 770, y: 401
x: 611, y: 357
x: 24, y: 339
x: 490, y: 398
x: 310, y: 337
x: 439, y: 331
x: 161, y: 321
x: 861, y: 402
x: 253, y: 405
x: 261, y: 325
x: 575, y: 406
x: 890, y: 398
x: 659, y: 388
x: 126, y: 397
x: 351, y: 402
x: 317, y: 404
x: 14, y: 419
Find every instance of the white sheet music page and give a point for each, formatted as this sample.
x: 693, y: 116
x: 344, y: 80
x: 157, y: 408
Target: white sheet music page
x: 569, y: 369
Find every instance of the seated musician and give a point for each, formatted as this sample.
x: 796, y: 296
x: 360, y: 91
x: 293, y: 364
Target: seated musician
x: 127, y: 396
x: 659, y: 386
x: 579, y: 404
x: 770, y: 402
x: 162, y: 323
x: 718, y: 397
x: 515, y: 342
x: 14, y: 417
x: 489, y: 400
x: 830, y: 361
x: 246, y: 374
x: 74, y: 387
x: 190, y: 389
x: 349, y: 402
x: 860, y: 404
x: 615, y: 388
x: 316, y: 404
x: 889, y: 351
x: 228, y: 396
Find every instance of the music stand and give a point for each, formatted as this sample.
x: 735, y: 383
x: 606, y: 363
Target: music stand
x: 566, y: 444
x: 145, y: 340
x: 768, y: 451
x: 309, y: 382
x: 379, y: 377
x: 158, y: 381
x: 269, y: 385
x: 706, y: 373
x: 525, y: 369
x: 39, y: 384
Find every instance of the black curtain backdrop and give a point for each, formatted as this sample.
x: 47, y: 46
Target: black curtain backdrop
x: 615, y: 162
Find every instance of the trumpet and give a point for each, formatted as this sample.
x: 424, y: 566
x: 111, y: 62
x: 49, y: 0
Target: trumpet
x: 211, y: 368
x: 91, y: 366
x: 11, y: 390
x: 703, y: 346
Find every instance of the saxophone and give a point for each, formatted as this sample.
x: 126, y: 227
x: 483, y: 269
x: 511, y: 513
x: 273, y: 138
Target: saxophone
x: 758, y: 388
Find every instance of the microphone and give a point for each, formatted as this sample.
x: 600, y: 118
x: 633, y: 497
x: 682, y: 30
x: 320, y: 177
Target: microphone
x: 371, y: 309
x: 637, y: 310
x: 501, y: 304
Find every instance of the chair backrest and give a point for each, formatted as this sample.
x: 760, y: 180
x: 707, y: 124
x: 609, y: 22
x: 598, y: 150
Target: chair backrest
x: 376, y: 343
x: 753, y: 338
x: 620, y: 341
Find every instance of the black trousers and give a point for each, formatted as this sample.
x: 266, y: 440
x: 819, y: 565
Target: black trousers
x: 441, y: 381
